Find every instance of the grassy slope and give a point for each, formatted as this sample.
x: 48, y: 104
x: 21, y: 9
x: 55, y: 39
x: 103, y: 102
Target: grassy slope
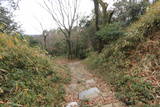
x: 27, y: 76
x: 128, y: 63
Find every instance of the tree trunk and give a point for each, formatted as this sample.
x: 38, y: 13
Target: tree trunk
x: 110, y: 16
x: 69, y: 49
x: 68, y: 40
x: 104, y: 11
x: 96, y: 10
x: 45, y: 42
x: 96, y: 7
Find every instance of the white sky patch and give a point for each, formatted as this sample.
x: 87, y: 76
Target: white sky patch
x: 30, y: 13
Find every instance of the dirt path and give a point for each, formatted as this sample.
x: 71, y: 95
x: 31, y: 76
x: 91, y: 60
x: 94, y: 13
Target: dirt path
x: 82, y: 81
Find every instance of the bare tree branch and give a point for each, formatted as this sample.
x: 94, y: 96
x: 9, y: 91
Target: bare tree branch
x: 64, y: 13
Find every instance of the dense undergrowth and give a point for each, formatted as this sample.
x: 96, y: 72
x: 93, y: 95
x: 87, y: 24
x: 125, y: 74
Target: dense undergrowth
x: 132, y: 63
x: 27, y: 76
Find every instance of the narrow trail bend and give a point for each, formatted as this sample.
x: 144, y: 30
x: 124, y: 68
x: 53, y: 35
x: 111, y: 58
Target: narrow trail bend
x: 83, y: 80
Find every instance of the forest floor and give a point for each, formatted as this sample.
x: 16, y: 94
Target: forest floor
x: 98, y: 92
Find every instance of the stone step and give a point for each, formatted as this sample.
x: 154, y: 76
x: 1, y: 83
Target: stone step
x: 90, y: 81
x: 89, y: 94
x: 113, y: 105
x: 72, y: 104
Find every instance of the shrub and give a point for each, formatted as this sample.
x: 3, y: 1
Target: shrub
x: 123, y: 67
x: 110, y: 32
x: 26, y: 75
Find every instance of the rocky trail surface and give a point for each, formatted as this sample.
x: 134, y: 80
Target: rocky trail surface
x: 87, y: 90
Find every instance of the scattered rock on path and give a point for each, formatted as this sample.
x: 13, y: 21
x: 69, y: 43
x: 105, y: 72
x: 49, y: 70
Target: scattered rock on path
x: 90, y: 81
x: 118, y: 104
x: 89, y: 94
x: 114, y: 105
x: 72, y: 104
x: 73, y: 87
x: 108, y: 105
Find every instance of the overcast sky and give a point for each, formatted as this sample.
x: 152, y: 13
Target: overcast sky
x: 30, y: 13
